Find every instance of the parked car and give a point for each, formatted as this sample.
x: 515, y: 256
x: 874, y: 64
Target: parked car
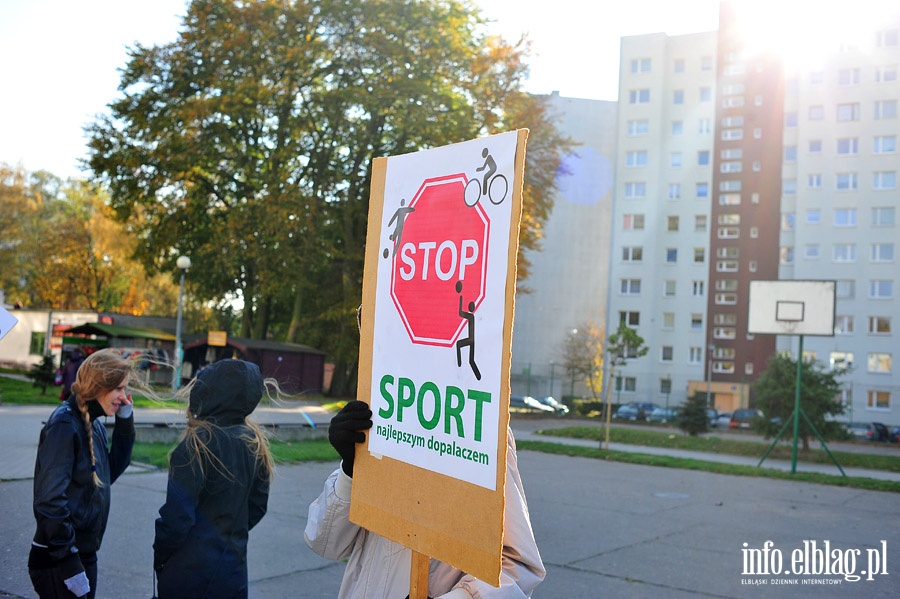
x: 663, y: 415
x: 723, y: 420
x: 869, y: 431
x: 526, y: 403
x: 558, y: 406
x: 635, y: 410
x: 742, y: 418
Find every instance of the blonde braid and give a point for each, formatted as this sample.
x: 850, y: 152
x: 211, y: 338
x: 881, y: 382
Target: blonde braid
x: 82, y: 406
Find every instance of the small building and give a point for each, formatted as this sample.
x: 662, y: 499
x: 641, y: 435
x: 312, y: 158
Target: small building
x: 297, y: 368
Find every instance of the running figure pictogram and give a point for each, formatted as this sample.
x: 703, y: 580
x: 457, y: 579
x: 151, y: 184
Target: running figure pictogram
x: 400, y: 216
x: 470, y: 340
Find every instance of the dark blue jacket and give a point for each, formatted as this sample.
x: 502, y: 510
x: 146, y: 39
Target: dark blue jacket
x: 70, y: 511
x: 212, y: 502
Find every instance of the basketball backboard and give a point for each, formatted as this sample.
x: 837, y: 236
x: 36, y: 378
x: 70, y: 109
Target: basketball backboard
x: 792, y: 308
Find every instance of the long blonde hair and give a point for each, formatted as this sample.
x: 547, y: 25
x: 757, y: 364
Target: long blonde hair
x: 101, y: 372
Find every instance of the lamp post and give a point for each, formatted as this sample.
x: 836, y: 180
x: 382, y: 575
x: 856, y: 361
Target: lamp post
x: 552, y: 369
x: 710, y: 350
x: 668, y: 380
x: 183, y: 263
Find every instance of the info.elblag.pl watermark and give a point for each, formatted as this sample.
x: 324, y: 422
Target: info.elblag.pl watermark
x: 812, y: 563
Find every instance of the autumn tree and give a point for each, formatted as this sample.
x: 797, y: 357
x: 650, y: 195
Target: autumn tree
x: 583, y: 355
x: 247, y: 144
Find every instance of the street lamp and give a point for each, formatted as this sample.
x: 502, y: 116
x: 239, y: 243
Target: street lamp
x: 710, y: 350
x: 183, y: 263
x: 552, y: 369
x: 668, y: 380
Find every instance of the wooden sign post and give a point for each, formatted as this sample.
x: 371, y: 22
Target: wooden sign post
x: 436, y: 339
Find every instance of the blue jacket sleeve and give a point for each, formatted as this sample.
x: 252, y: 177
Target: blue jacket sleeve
x: 178, y: 514
x: 122, y: 446
x: 53, y: 472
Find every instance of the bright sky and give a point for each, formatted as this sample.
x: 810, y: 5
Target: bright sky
x: 62, y: 58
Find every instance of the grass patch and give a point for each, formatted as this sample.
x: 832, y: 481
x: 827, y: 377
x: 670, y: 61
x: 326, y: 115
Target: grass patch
x: 14, y: 391
x: 284, y: 452
x: 782, y: 450
x: 869, y: 484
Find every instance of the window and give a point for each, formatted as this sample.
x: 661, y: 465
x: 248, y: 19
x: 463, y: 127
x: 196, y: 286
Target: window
x: 879, y: 325
x: 843, y: 325
x: 704, y: 126
x: 695, y: 355
x: 848, y: 146
x: 725, y: 333
x: 815, y: 146
x: 699, y: 223
x: 668, y: 321
x: 884, y: 144
x: 816, y: 112
x: 671, y: 255
x: 702, y: 190
x: 813, y: 216
x: 730, y: 185
x: 734, y: 69
x: 729, y: 233
x: 628, y: 384
x: 636, y: 158
x: 886, y: 109
x: 732, y: 154
x: 878, y: 400
x: 640, y: 65
x: 754, y: 232
x: 639, y: 96
x: 732, y: 134
x: 697, y: 288
x: 726, y: 266
x: 677, y: 127
x: 848, y: 111
x: 703, y: 158
x: 814, y: 181
x: 678, y: 65
x: 666, y: 353
x: 888, y: 37
x: 675, y: 159
x: 633, y: 222
x: 882, y: 252
x: 630, y: 287
x: 817, y: 77
x: 696, y: 321
x: 705, y: 94
x: 726, y: 285
x: 844, y: 252
x: 790, y: 120
x: 635, y: 189
x: 881, y: 288
x: 678, y: 96
x: 699, y: 255
x: 886, y: 74
x: 757, y: 133
x: 726, y: 299
x: 790, y: 153
x: 730, y: 167
x: 789, y: 187
x: 845, y: 289
x: 879, y: 362
x: 883, y: 216
x: 631, y: 319
x: 811, y: 251
x: 633, y: 253
x: 848, y: 77
x: 884, y: 180
x: 732, y: 121
x: 36, y: 347
x: 840, y: 360
x: 845, y: 217
x: 672, y: 223
x: 846, y: 181
x: 665, y: 386
x: 669, y: 288
x: 786, y: 255
x: 638, y: 127
x: 674, y: 191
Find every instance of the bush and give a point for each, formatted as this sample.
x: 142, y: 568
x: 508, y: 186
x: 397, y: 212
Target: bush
x: 693, y: 418
x: 43, y: 373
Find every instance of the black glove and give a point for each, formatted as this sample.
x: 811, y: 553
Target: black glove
x: 346, y: 431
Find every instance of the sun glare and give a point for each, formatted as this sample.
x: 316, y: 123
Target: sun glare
x: 803, y: 32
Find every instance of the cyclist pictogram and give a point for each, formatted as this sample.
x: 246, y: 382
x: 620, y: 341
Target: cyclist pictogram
x: 494, y: 187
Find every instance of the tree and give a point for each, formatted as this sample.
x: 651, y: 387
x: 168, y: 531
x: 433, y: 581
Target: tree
x: 248, y: 143
x: 622, y: 345
x: 43, y: 373
x: 583, y: 355
x: 775, y: 391
x: 693, y: 418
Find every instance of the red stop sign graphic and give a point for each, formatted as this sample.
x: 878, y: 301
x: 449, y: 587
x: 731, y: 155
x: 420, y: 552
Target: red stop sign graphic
x: 443, y: 247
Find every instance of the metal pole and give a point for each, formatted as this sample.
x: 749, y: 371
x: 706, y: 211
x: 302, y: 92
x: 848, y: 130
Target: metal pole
x: 176, y: 378
x: 797, y: 407
x: 552, y: 368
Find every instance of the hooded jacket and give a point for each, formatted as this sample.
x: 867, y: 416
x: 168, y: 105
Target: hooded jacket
x: 70, y: 511
x: 213, y: 498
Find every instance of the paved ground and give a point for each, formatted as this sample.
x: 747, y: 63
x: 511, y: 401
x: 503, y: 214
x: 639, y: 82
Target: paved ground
x: 604, y: 529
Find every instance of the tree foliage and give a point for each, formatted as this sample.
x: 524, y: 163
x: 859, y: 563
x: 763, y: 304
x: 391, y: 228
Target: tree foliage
x: 247, y: 144
x: 775, y: 391
x: 693, y: 418
x: 583, y: 355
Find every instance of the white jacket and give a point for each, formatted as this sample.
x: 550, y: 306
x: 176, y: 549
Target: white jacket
x: 379, y: 568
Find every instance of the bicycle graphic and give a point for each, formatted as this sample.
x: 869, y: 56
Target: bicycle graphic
x: 494, y: 187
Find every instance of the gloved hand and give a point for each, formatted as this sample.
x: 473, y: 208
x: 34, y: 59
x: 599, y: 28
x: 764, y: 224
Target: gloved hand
x: 78, y: 585
x: 346, y: 431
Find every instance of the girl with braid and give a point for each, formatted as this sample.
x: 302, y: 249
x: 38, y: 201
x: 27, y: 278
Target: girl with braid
x: 73, y: 471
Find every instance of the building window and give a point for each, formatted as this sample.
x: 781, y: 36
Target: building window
x: 36, y: 346
x: 815, y: 146
x: 665, y: 386
x: 671, y: 255
x: 699, y: 255
x: 666, y: 353
x: 848, y: 111
x: 695, y: 355
x: 732, y: 134
x: 639, y: 96
x: 848, y: 77
x: 678, y: 96
x: 696, y: 322
x: 790, y: 153
x: 848, y: 146
x: 789, y: 187
x: 702, y: 190
x: 628, y: 384
x: 844, y: 252
x: 703, y: 157
x: 638, y: 127
x: 790, y: 120
x: 886, y: 109
x: 640, y: 65
x: 669, y: 288
x: 631, y: 319
x: 845, y: 289
x: 697, y: 288
x: 726, y: 285
x: 886, y: 74
x: 674, y: 191
x: 843, y: 324
x: 879, y: 362
x: 816, y: 112
x: 731, y: 167
x: 879, y: 325
x: 730, y: 199
x: 699, y: 223
x: 668, y: 321
x: 705, y: 94
x: 633, y: 222
x: 678, y: 65
x: 887, y: 37
x: 632, y: 253
x: 704, y: 126
x: 845, y: 217
x: 881, y: 289
x: 726, y: 299
x: 813, y: 216
x: 884, y: 144
x: 878, y: 400
x: 672, y: 223
x: 730, y: 218
x: 814, y: 181
x: 729, y: 232
x: 636, y: 158
x: 882, y: 252
x: 635, y: 190
x: 786, y: 255
x: 730, y: 185
x: 675, y: 159
x: 811, y: 251
x: 677, y: 127
x: 884, y: 180
x: 839, y: 360
x: 846, y: 181
x: 630, y: 287
x: 883, y: 216
x: 732, y: 154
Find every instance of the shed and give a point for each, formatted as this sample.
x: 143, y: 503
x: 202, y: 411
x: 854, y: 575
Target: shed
x: 297, y: 368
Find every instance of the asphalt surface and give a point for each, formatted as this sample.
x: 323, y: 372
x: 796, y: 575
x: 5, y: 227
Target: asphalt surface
x: 604, y: 529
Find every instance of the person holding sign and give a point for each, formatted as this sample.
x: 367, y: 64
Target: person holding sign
x: 379, y: 568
